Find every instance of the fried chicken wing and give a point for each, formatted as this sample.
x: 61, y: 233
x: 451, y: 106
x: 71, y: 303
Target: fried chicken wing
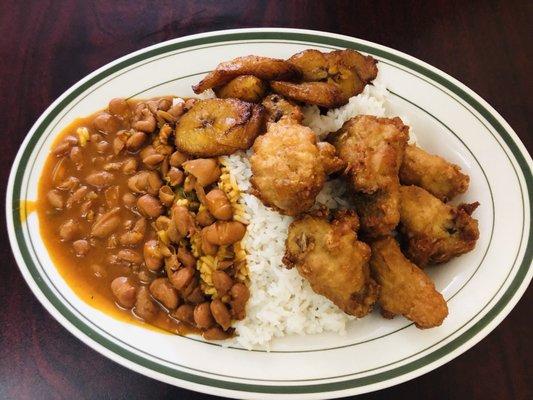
x: 328, y: 158
x: 373, y: 149
x: 215, y: 127
x: 380, y: 211
x: 435, y: 232
x: 439, y: 177
x: 261, y: 67
x: 405, y: 288
x: 288, y: 168
x: 331, y: 258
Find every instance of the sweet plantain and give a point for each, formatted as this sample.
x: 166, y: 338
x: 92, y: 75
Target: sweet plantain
x: 365, y: 66
x: 322, y: 94
x: 261, y: 67
x: 330, y: 79
x: 217, y: 127
x: 246, y: 87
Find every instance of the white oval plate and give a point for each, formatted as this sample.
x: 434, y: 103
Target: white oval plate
x: 447, y: 117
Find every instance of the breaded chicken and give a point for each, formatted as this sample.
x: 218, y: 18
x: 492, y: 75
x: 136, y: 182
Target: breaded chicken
x: 439, y: 177
x: 327, y: 156
x: 405, y: 288
x: 435, y: 232
x: 373, y: 149
x: 331, y: 258
x: 289, y: 170
x: 380, y: 211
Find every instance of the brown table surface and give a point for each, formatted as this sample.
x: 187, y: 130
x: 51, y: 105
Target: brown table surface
x: 46, y: 46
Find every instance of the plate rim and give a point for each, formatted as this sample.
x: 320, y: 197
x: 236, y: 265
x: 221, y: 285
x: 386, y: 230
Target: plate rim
x: 513, y: 143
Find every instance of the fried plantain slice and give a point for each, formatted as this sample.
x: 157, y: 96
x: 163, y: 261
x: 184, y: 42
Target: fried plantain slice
x: 261, y: 67
x: 365, y: 66
x: 322, y: 94
x: 278, y: 109
x: 312, y: 63
x: 346, y: 80
x: 245, y: 87
x: 216, y: 127
x: 347, y: 70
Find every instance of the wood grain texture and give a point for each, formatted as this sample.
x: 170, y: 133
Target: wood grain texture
x: 46, y: 46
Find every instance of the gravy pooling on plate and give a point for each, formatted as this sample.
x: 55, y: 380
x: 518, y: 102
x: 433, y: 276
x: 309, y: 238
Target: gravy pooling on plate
x: 139, y: 229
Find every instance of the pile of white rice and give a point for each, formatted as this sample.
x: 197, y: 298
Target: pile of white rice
x: 281, y: 301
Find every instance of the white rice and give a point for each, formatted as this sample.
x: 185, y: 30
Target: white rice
x: 282, y: 302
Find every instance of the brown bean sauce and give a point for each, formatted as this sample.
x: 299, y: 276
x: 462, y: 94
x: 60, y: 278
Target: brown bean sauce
x: 86, y: 208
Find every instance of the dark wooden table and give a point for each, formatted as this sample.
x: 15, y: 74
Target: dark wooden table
x: 46, y: 46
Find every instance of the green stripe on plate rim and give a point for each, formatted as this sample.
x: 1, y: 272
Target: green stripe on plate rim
x: 309, y: 38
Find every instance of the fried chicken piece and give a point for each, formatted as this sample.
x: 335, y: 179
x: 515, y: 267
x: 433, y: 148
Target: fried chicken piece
x: 435, y: 232
x: 261, y: 67
x: 278, y: 109
x: 439, y: 177
x: 331, y: 258
x: 288, y: 168
x: 328, y: 158
x: 245, y: 87
x: 373, y: 149
x: 215, y: 127
x: 380, y: 211
x: 405, y: 288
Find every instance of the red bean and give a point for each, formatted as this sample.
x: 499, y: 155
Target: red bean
x: 186, y: 257
x: 152, y: 256
x: 205, y: 170
x: 224, y: 232
x: 222, y: 282
x: 106, y: 123
x: 69, y: 230
x: 136, y: 140
x: 149, y: 206
x: 124, y: 291
x: 219, y: 205
x: 100, y: 179
x: 215, y: 333
x: 239, y: 295
x: 185, y: 313
x: 106, y: 224
x: 202, y: 316
x: 130, y: 256
x: 119, y: 107
x: 221, y: 314
x: 165, y: 293
x: 145, y: 307
x: 182, y: 278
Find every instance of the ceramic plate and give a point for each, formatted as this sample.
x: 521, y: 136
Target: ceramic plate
x: 481, y: 287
